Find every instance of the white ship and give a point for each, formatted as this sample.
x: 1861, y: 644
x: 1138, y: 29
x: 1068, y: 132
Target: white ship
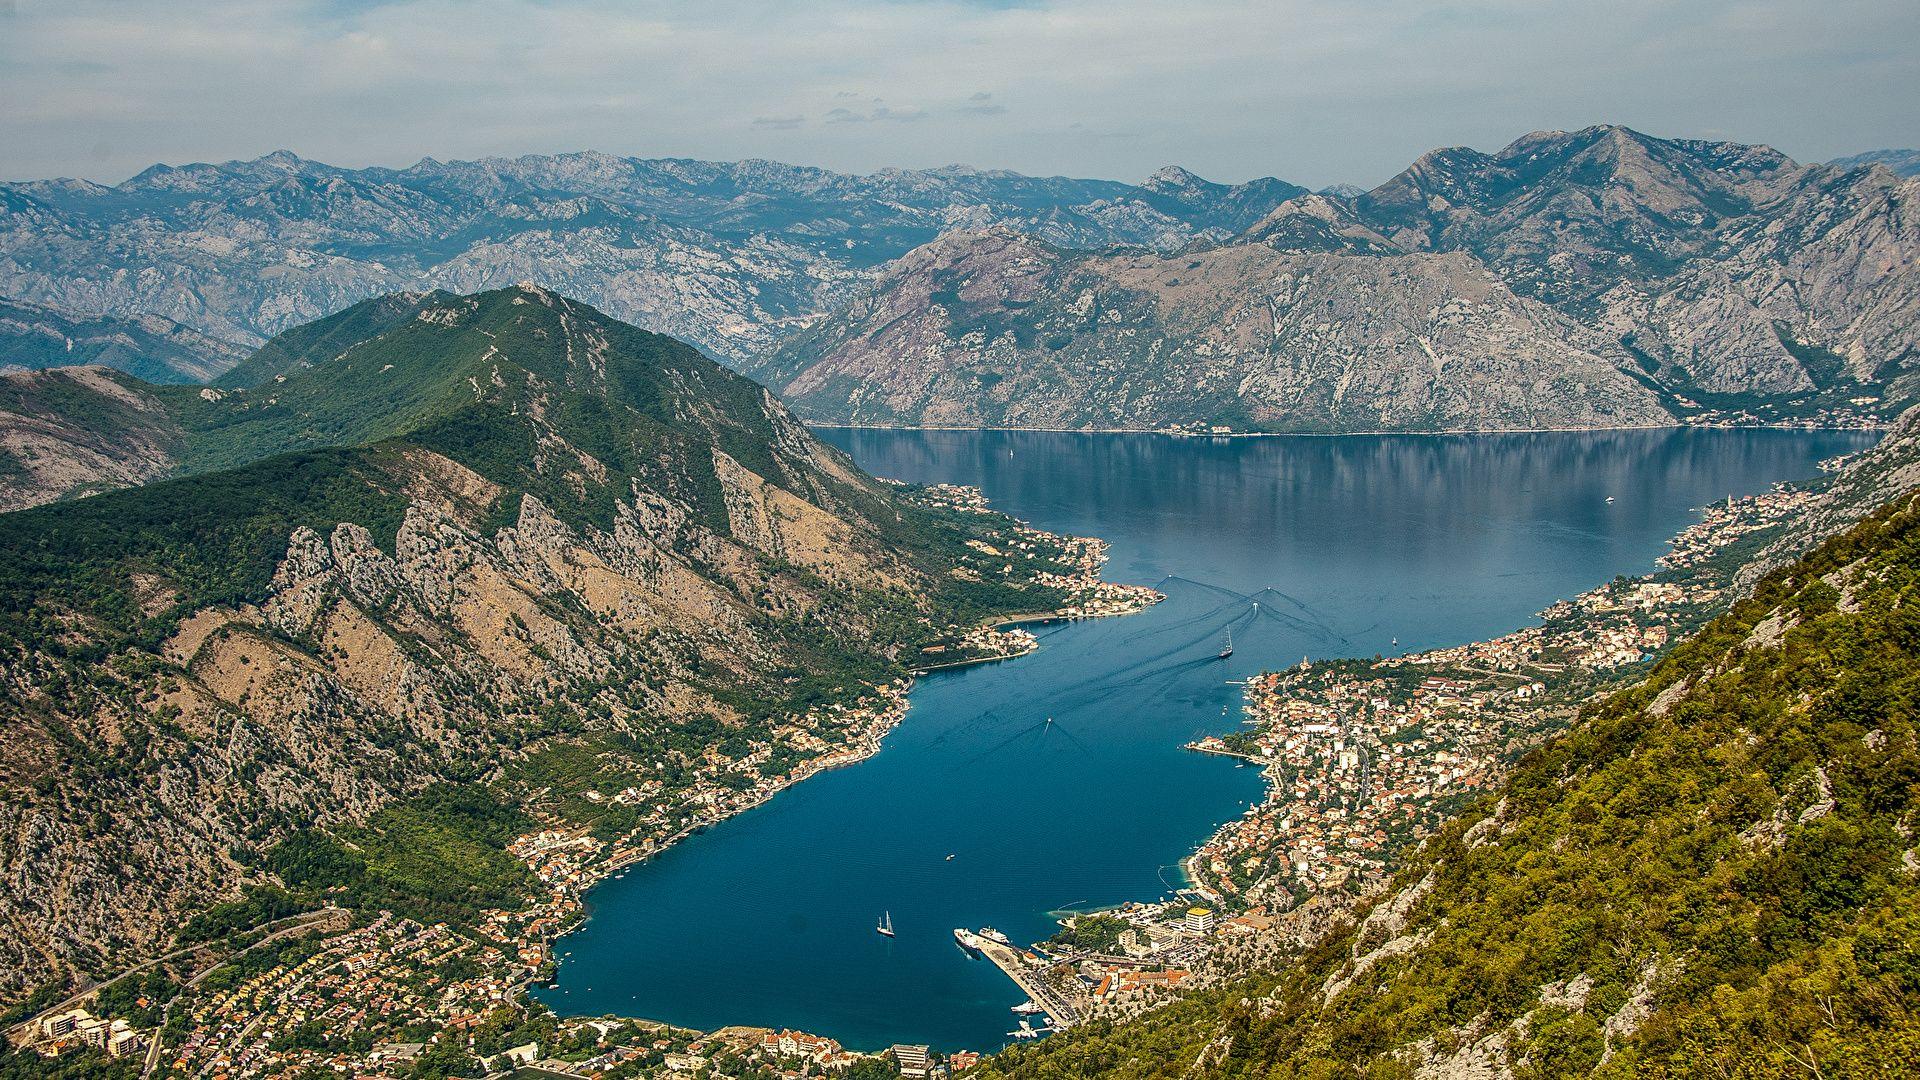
x: 968, y: 939
x: 885, y: 929
x: 991, y: 934
x: 1028, y: 1008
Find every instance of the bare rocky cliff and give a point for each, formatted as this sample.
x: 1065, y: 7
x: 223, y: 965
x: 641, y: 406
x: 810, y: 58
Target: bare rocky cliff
x: 992, y: 329
x: 79, y: 430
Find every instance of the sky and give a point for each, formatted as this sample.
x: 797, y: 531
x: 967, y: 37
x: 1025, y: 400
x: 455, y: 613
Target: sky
x: 1334, y: 91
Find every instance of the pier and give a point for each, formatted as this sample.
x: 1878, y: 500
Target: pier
x: 1062, y: 1012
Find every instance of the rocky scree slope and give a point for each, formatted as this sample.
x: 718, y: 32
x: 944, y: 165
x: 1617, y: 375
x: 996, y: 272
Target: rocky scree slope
x: 1600, y: 276
x: 1714, y: 874
x: 729, y: 256
x: 504, y: 524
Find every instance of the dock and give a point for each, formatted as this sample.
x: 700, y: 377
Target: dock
x: 1061, y: 1011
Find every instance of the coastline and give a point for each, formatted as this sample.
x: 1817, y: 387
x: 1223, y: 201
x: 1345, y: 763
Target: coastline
x: 1878, y: 425
x: 615, y: 859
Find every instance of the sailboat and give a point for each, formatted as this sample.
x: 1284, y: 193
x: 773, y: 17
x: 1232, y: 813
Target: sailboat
x: 1228, y: 650
x: 885, y: 929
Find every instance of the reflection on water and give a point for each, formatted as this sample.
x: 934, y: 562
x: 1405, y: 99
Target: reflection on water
x: 1056, y: 781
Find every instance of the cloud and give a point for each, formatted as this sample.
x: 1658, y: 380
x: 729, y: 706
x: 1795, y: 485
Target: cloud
x: 982, y: 104
x: 873, y: 112
x: 1317, y: 91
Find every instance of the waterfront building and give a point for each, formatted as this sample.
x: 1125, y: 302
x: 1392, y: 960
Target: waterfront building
x: 1200, y: 920
x: 913, y: 1060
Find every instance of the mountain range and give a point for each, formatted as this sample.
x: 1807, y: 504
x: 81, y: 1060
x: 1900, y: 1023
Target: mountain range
x: 497, y: 539
x: 728, y: 256
x: 1571, y: 279
x: 1593, y: 278
x: 155, y: 349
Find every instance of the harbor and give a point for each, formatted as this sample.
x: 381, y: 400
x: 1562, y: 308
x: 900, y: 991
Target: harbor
x: 1030, y: 973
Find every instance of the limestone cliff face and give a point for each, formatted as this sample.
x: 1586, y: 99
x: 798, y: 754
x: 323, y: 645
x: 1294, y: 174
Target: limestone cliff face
x: 1602, y: 277
x: 362, y: 673
x: 993, y: 329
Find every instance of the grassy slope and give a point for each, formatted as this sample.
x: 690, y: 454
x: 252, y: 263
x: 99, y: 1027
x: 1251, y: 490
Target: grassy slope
x: 1621, y: 846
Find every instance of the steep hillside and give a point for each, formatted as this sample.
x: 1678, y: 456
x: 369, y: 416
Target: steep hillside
x: 993, y: 329
x: 155, y: 349
x: 1713, y: 875
x: 508, y: 529
x: 730, y: 256
x: 1632, y: 278
x: 78, y: 431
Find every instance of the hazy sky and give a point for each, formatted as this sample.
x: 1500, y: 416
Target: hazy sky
x: 1318, y: 93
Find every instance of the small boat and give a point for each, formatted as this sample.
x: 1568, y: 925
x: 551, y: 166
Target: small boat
x: 1228, y: 650
x: 1609, y: 498
x: 885, y: 929
x: 1026, y: 1031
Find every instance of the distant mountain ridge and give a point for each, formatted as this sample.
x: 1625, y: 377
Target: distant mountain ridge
x: 156, y: 349
x: 729, y: 256
x: 1904, y: 162
x: 1571, y: 279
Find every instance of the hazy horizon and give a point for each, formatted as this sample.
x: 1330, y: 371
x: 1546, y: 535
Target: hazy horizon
x: 1333, y: 92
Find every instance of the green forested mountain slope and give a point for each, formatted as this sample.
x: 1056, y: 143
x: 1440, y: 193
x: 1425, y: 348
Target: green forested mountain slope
x: 1713, y: 876
x: 505, y: 541
x: 389, y: 366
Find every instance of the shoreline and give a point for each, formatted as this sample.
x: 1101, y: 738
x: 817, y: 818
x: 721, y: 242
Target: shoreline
x: 614, y: 860
x: 1882, y: 426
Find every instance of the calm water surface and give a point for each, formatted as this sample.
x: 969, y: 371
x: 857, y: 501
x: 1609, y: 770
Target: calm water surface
x: 1344, y: 544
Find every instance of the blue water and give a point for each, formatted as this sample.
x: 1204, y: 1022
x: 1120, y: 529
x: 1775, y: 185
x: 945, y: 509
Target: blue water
x: 1345, y: 543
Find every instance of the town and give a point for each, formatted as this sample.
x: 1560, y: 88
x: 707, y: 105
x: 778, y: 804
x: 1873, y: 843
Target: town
x: 378, y: 994
x: 1364, y: 757
x: 1361, y: 758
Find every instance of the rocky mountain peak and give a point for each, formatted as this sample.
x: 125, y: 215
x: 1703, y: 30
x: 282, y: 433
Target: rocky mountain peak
x: 1174, y: 178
